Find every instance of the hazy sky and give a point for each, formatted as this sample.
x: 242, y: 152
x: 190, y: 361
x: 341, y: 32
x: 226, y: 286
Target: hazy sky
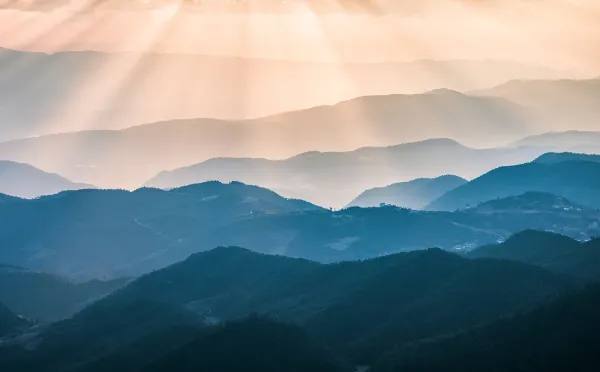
x: 563, y: 34
x: 70, y: 92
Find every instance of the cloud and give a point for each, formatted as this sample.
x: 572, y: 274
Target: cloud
x: 268, y: 6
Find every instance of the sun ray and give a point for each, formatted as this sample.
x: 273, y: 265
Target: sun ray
x: 102, y: 87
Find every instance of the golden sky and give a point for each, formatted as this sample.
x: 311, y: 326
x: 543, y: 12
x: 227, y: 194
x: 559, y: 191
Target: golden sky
x: 131, y: 88
x: 562, y: 34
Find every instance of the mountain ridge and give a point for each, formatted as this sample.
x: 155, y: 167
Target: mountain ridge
x: 335, y: 178
x: 140, y: 152
x: 414, y: 194
x: 556, y: 336
x: 23, y: 291
x: 112, y: 233
x: 359, y: 310
x: 549, y: 250
x: 369, y: 79
x: 574, y: 180
x: 26, y: 181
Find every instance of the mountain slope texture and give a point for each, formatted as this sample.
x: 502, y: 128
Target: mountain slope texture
x: 414, y: 194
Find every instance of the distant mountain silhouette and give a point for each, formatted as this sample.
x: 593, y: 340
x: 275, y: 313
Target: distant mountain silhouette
x: 10, y: 322
x: 553, y: 158
x: 360, y: 310
x: 560, y: 104
x: 270, y: 86
x: 288, y: 288
x: 93, y: 233
x: 559, y: 336
x: 532, y: 201
x: 562, y: 141
x: 45, y: 297
x: 140, y: 152
x: 25, y: 181
x: 357, y: 233
x: 555, y: 252
x: 98, y: 331
x: 333, y: 179
x: 414, y: 194
x: 113, y: 233
x: 578, y: 181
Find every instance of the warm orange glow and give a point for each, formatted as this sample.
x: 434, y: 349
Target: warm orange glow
x: 134, y: 87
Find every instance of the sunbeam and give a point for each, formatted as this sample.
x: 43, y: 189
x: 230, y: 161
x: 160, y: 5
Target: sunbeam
x: 391, y: 185
x: 254, y: 68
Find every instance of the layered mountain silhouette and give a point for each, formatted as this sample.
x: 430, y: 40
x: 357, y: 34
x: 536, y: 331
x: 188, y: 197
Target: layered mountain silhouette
x: 92, y: 233
x: 178, y: 343
x: 414, y: 194
x: 357, y: 233
x: 155, y: 328
x: 555, y: 102
x: 333, y: 179
x: 24, y: 290
x: 291, y: 216
x: 552, y: 251
x: 138, y: 153
x: 26, y: 181
x: 559, y: 336
x: 360, y: 310
x: 553, y: 158
x: 270, y: 86
x: 532, y: 202
x: 262, y: 282
x: 563, y: 141
x: 111, y: 233
x: 576, y: 178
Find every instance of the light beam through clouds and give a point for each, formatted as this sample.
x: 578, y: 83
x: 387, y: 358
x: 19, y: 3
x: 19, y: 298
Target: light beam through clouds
x: 557, y: 33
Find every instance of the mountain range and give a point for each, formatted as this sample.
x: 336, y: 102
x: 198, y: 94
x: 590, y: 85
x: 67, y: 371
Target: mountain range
x: 558, y: 336
x: 231, y: 88
x: 331, y: 179
x: 275, y: 215
x: 577, y: 178
x: 414, y: 194
x: 334, y: 179
x: 25, y: 181
x: 569, y: 141
x: 549, y: 250
x: 357, y: 233
x: 24, y: 290
x: 90, y: 234
x: 554, y: 101
x: 358, y: 310
x: 554, y: 158
x: 139, y: 153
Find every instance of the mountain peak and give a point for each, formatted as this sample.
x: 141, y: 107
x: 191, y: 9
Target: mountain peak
x: 557, y: 157
x: 26, y: 181
x: 431, y: 142
x: 415, y: 194
x: 537, y: 236
x: 445, y: 91
x: 530, y: 200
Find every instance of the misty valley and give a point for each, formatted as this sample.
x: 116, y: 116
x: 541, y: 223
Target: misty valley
x: 493, y: 273
x: 299, y: 186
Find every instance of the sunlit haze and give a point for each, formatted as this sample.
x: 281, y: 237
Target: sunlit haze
x: 83, y: 65
x: 299, y: 185
x: 555, y: 33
